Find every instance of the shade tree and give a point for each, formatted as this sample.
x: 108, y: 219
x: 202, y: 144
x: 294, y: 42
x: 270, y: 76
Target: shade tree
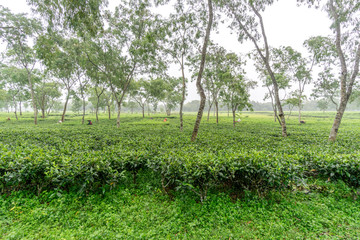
x: 345, y: 17
x: 248, y: 23
x: 15, y: 81
x: 19, y: 32
x: 183, y: 35
x: 128, y: 47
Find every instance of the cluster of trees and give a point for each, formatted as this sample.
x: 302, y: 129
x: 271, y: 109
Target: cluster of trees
x: 122, y: 56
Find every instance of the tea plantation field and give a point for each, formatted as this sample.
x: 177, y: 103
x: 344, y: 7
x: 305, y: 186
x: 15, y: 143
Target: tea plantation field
x: 146, y: 180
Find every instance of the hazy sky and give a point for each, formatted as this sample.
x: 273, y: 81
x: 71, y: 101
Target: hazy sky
x: 286, y: 25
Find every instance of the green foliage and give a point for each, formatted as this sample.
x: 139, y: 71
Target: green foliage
x: 79, y: 16
x: 318, y: 211
x: 88, y: 158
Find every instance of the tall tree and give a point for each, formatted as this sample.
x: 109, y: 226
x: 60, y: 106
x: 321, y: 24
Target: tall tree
x: 79, y: 16
x: 172, y: 93
x: 139, y: 91
x: 183, y: 37
x: 57, y: 53
x: 299, y: 70
x: 17, y: 32
x: 216, y: 72
x: 128, y: 47
x: 47, y: 93
x: 210, y: 14
x: 15, y: 81
x: 248, y: 22
x: 235, y: 92
x: 345, y: 17
x: 281, y: 75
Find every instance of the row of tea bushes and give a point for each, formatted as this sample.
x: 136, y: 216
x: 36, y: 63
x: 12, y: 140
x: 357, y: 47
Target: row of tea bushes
x: 37, y: 168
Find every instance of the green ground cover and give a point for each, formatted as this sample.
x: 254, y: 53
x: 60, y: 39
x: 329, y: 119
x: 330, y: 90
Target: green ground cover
x: 146, y: 180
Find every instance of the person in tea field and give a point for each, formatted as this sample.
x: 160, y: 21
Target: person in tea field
x: 239, y: 120
x: 89, y: 122
x: 8, y: 119
x: 165, y: 120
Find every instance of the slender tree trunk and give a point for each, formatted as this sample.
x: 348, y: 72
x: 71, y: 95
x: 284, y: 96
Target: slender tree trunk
x: 109, y: 111
x: 233, y: 113
x: 202, y: 65
x: 266, y: 60
x: 346, y: 81
x: 83, y: 115
x: 20, y: 108
x: 228, y: 110
x: 48, y: 111
x: 97, y: 110
x: 217, y: 111
x: 118, y: 115
x: 15, y: 108
x: 43, y: 113
x: 65, y: 106
x: 299, y: 101
x: 210, y: 106
x: 33, y: 97
x: 183, y: 94
x: 143, y: 110
x: 337, y: 121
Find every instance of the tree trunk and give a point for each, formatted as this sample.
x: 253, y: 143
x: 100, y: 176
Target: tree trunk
x: 183, y: 93
x: 345, y: 89
x: 43, y: 113
x: 337, y: 121
x: 20, y: 108
x: 109, y: 111
x: 217, y: 111
x: 15, y: 108
x: 201, y: 70
x: 48, y: 111
x: 32, y: 98
x: 97, y: 110
x: 143, y: 110
x: 118, y: 115
x: 65, y: 106
x: 208, y: 116
x: 83, y: 116
x: 210, y: 106
x: 234, y: 112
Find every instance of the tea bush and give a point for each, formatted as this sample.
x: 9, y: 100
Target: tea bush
x: 252, y: 156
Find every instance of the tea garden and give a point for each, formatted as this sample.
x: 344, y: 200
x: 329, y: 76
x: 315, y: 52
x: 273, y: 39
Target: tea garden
x: 148, y: 180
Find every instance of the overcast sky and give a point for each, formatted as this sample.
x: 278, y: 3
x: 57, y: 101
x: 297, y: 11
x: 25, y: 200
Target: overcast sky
x: 286, y: 25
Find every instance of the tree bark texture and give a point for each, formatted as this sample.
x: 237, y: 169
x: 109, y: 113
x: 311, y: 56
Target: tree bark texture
x: 65, y: 106
x: 217, y: 111
x: 346, y: 81
x: 83, y: 115
x: 201, y: 70
x: 183, y: 94
x: 33, y: 98
x: 118, y: 115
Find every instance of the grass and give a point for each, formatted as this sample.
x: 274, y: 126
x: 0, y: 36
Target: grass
x: 143, y: 212
x: 317, y: 209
